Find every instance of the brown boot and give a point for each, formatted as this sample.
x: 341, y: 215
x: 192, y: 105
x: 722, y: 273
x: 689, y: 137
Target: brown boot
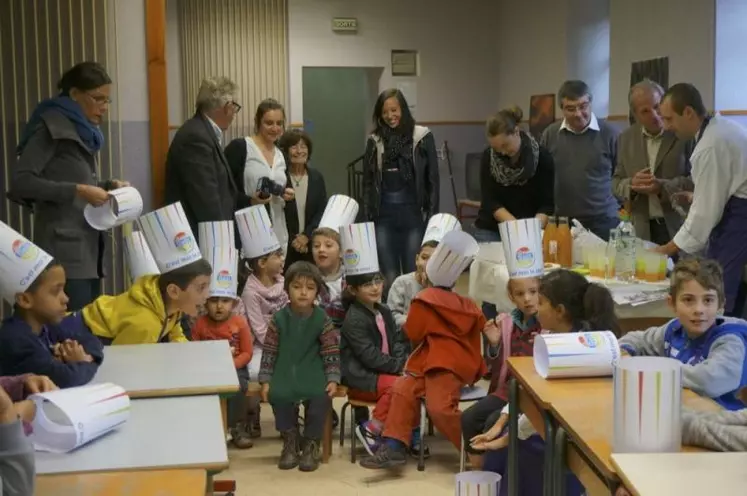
x: 240, y: 437
x: 310, y: 457
x: 253, y: 427
x: 289, y: 456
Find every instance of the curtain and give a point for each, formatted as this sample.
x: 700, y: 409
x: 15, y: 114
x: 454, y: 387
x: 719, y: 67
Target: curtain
x: 244, y: 40
x: 39, y: 41
x: 654, y: 69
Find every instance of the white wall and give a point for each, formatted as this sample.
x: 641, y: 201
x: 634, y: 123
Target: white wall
x: 645, y: 29
x: 131, y: 87
x: 731, y: 63
x: 458, y: 71
x: 174, y: 65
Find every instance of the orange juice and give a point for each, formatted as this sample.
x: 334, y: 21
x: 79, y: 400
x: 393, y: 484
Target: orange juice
x: 565, y: 243
x: 550, y: 242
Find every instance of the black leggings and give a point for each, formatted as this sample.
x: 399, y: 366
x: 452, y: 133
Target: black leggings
x: 479, y: 418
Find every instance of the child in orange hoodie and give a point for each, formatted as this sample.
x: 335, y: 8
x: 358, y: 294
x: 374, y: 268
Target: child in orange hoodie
x: 445, y: 329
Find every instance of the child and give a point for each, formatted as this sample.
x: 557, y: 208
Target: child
x: 567, y: 303
x: 17, y: 468
x: 711, y: 347
x: 325, y: 248
x: 405, y: 287
x: 35, y: 339
x: 300, y: 363
x: 519, y: 328
x: 445, y: 329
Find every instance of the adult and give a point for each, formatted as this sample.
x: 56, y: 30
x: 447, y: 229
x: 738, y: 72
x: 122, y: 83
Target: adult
x: 717, y: 218
x: 585, y: 152
x: 302, y: 214
x: 400, y: 183
x: 197, y: 172
x: 651, y: 163
x: 264, y: 166
x: 56, y: 176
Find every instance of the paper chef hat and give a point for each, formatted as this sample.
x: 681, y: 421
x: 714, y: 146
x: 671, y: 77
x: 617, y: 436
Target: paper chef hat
x: 438, y: 226
x: 359, y: 249
x: 453, y: 255
x: 522, y: 246
x: 169, y: 237
x: 255, y: 230
x: 225, y: 263
x: 21, y: 262
x: 340, y: 211
x: 139, y: 257
x: 124, y: 205
x: 211, y: 234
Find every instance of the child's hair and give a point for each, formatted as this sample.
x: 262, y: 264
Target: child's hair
x: 183, y: 276
x: 254, y: 262
x: 508, y: 284
x: 707, y: 273
x: 304, y: 270
x: 355, y: 282
x: 327, y: 233
x: 429, y: 244
x: 243, y: 275
x: 588, y: 305
x: 34, y: 286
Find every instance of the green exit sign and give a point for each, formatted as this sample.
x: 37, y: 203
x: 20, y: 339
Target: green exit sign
x: 345, y: 24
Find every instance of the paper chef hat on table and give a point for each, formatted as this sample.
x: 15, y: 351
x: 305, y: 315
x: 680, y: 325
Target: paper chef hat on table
x: 359, y: 249
x: 522, y: 246
x: 212, y: 234
x: 453, y: 255
x: 21, y: 262
x: 169, y: 237
x: 139, y: 257
x: 225, y: 263
x: 255, y: 230
x: 340, y: 211
x: 124, y: 205
x: 438, y: 226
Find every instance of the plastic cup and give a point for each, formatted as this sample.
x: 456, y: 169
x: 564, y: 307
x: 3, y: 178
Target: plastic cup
x: 663, y: 259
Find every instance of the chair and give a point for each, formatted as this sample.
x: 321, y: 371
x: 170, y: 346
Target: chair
x: 351, y: 403
x: 469, y: 394
x: 472, y: 182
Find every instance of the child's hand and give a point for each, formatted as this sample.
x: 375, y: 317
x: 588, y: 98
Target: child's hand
x: 8, y: 413
x: 492, y: 433
x: 331, y: 389
x: 492, y: 332
x: 265, y: 393
x: 234, y: 351
x: 494, y: 445
x: 72, y: 351
x: 39, y: 384
x: 25, y: 409
x: 621, y: 491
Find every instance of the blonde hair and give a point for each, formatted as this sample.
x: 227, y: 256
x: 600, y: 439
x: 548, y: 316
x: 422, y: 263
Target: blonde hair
x: 327, y: 232
x: 707, y: 273
x: 504, y: 121
x: 215, y: 92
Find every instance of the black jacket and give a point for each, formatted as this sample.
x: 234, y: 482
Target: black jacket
x: 427, y: 183
x: 316, y: 201
x: 236, y: 157
x: 197, y: 174
x: 360, y: 350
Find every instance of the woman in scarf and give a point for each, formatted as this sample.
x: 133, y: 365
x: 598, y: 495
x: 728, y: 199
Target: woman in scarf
x: 56, y: 176
x: 400, y: 183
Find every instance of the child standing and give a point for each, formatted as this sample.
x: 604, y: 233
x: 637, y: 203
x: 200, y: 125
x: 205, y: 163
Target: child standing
x: 711, y: 347
x: 445, y: 329
x: 300, y: 363
x: 37, y: 338
x: 325, y: 248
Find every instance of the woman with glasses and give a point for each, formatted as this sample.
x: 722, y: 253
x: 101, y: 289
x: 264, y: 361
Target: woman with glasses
x: 56, y: 176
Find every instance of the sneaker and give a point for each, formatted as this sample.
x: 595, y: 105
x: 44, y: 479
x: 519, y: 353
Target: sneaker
x: 310, y: 456
x: 240, y: 437
x: 369, y: 440
x: 385, y: 457
x: 289, y: 456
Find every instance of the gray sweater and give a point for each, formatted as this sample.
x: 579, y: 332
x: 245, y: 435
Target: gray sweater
x: 719, y: 431
x: 403, y: 290
x: 17, y: 470
x: 584, y: 164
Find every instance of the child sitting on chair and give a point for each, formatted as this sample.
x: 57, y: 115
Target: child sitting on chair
x: 38, y: 338
x: 711, y: 347
x: 300, y: 363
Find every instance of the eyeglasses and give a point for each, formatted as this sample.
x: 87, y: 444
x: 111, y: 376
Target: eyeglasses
x: 99, y: 99
x: 236, y: 107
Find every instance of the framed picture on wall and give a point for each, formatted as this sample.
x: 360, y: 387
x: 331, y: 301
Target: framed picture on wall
x: 404, y: 62
x: 541, y: 113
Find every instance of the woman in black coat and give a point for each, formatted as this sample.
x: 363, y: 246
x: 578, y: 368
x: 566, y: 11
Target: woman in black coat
x: 304, y: 212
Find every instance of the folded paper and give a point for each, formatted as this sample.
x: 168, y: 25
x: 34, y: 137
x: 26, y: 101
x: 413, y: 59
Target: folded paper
x: 169, y: 237
x: 477, y: 483
x: 225, y: 263
x: 340, y: 211
x: 140, y: 260
x: 255, y: 230
x: 522, y: 247
x: 21, y: 262
x: 69, y: 418
x: 647, y: 405
x: 359, y: 253
x: 124, y: 205
x: 451, y: 258
x: 211, y: 234
x: 577, y: 354
x: 438, y: 226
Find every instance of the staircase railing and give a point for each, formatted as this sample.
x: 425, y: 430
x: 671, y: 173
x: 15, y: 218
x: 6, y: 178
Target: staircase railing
x: 355, y: 179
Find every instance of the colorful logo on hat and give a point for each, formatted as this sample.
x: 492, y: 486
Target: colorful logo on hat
x: 524, y: 257
x: 224, y: 279
x: 24, y: 250
x: 351, y: 257
x: 589, y: 340
x: 183, y: 242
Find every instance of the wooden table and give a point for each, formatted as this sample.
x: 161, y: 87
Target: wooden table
x: 146, y: 483
x: 682, y: 474
x: 161, y: 433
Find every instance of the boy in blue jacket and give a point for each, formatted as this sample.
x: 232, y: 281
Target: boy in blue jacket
x: 711, y: 347
x: 35, y: 339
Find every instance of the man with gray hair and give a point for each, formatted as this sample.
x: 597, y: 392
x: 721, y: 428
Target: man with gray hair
x: 652, y: 163
x: 197, y: 172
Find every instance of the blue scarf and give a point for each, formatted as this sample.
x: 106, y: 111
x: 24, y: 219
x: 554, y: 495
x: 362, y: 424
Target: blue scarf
x: 90, y: 135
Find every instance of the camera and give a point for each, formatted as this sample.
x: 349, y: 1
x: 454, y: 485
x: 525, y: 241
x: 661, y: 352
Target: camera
x: 266, y: 187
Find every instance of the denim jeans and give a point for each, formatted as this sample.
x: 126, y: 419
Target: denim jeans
x: 399, y: 233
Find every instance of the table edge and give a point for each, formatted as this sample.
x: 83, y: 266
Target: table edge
x: 213, y: 467
x: 185, y: 391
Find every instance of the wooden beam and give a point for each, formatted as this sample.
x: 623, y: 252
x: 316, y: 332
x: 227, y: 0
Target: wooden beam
x: 155, y: 30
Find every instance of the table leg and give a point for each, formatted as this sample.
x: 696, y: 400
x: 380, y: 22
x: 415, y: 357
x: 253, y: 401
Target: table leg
x: 548, y: 484
x: 224, y: 413
x: 327, y: 438
x: 513, y: 438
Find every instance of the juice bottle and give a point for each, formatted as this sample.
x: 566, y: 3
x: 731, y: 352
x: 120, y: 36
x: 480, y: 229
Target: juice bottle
x: 565, y: 243
x: 550, y: 241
